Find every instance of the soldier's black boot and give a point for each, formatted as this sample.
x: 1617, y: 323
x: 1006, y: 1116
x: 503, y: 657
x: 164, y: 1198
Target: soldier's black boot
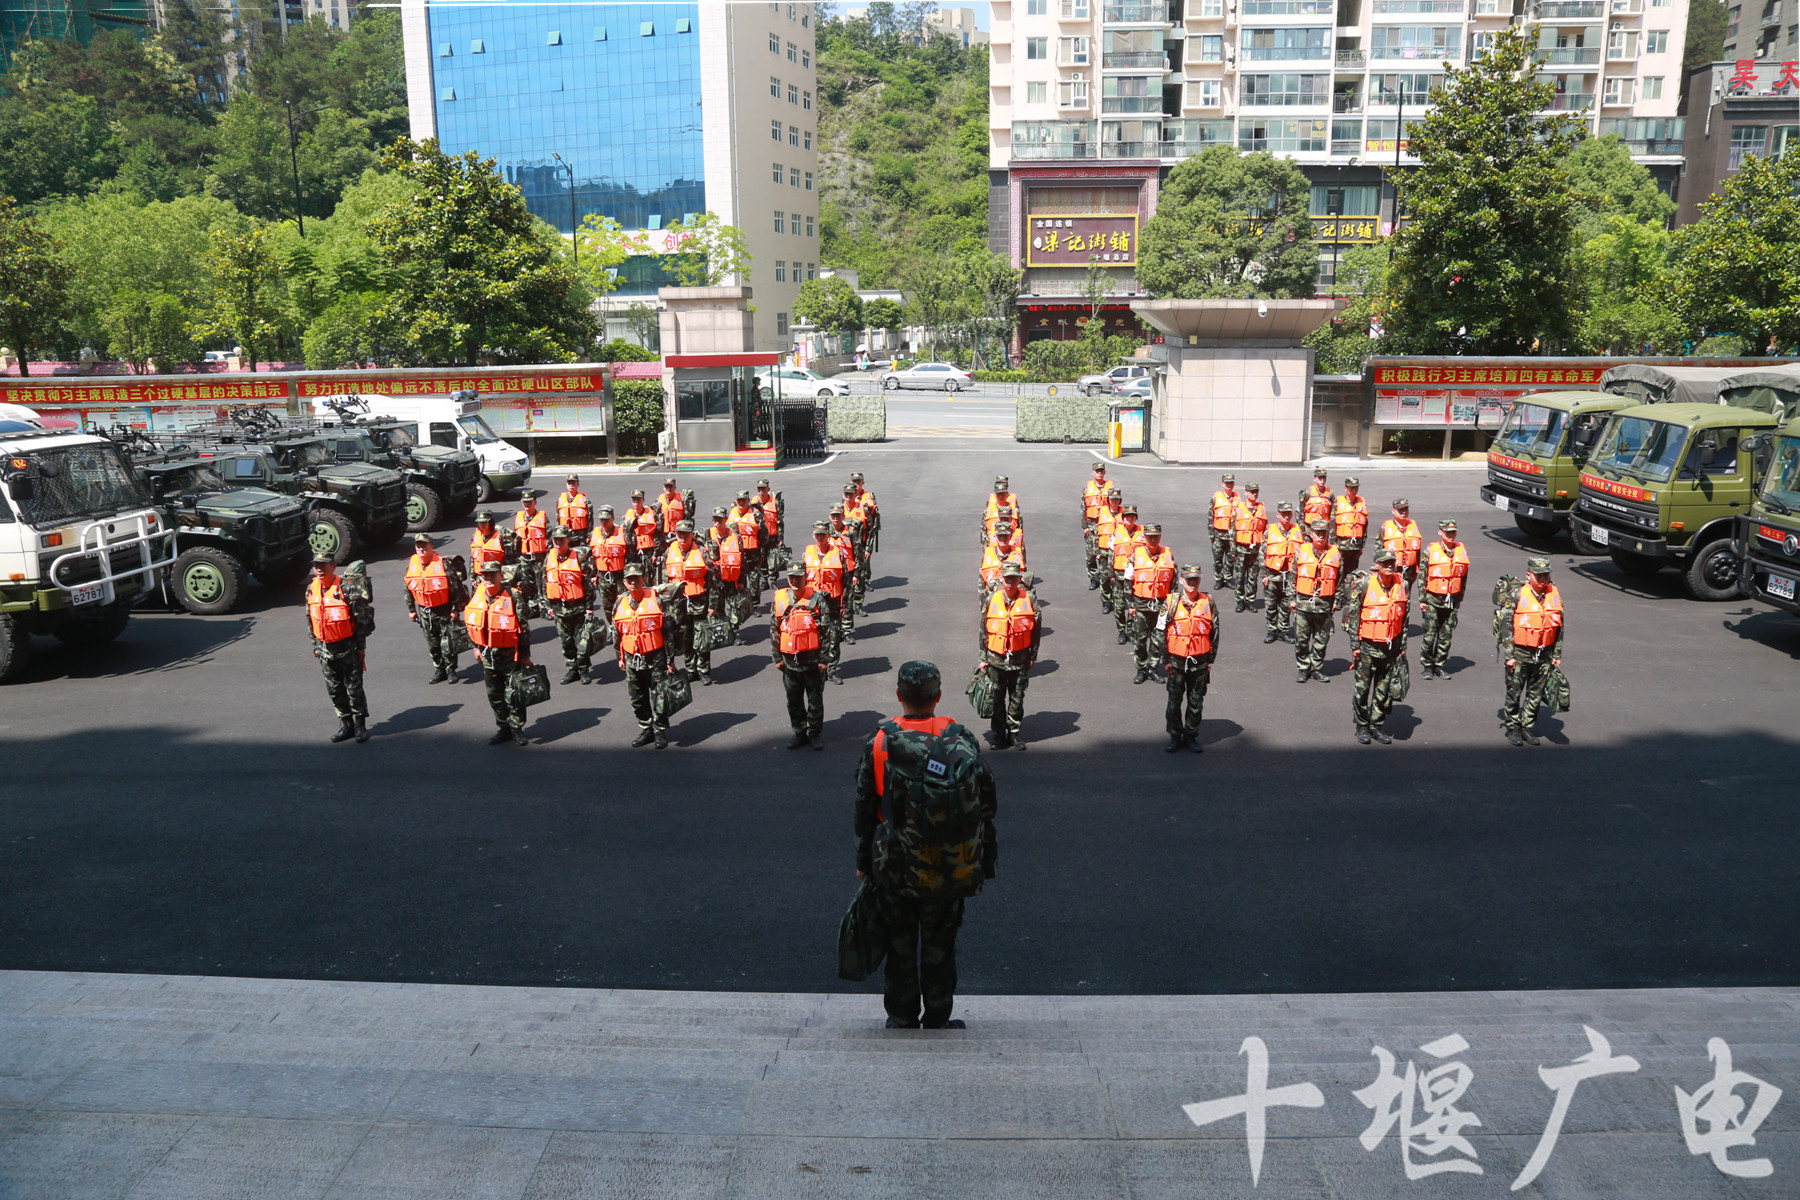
x: 1268, y: 639
x: 897, y: 1023
x: 1301, y: 675
x: 1015, y: 742
x: 1093, y: 585
x: 1320, y: 677
x: 519, y: 738
x: 362, y: 729
x: 1194, y: 745
x: 1514, y: 736
x: 1531, y: 739
x: 1123, y: 639
x: 662, y: 743
x: 1106, y: 606
x: 835, y: 677
x: 797, y: 741
x: 1380, y: 735
x: 345, y: 731
x: 501, y: 736
x: 818, y: 743
x: 643, y: 739
x: 570, y: 676
x: 439, y: 677
x: 1362, y: 735
x: 1175, y: 743
x: 706, y: 679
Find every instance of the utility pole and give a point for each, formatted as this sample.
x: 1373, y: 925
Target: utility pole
x: 294, y: 155
x: 574, y: 226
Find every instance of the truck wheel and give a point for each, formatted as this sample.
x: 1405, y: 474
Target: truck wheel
x: 423, y: 508
x: 1712, y: 573
x: 1632, y: 563
x: 484, y: 491
x: 286, y: 574
x: 387, y: 535
x: 207, y: 580
x: 333, y: 534
x: 462, y: 508
x: 97, y: 631
x: 15, y: 647
x: 1583, y: 543
x: 1533, y: 527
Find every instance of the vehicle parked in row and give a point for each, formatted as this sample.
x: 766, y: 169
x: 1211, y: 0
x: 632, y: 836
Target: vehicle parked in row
x: 1535, y: 459
x: 441, y: 483
x: 1768, y: 537
x: 792, y: 382
x: 932, y: 376
x: 1108, y: 382
x: 454, y: 422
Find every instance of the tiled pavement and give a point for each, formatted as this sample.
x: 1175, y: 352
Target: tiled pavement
x: 149, y: 1086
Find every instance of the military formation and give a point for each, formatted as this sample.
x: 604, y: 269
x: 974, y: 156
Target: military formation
x: 665, y: 596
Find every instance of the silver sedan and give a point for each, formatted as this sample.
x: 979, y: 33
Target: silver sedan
x: 932, y: 376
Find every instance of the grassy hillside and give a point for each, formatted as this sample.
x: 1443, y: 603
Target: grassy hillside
x: 902, y: 148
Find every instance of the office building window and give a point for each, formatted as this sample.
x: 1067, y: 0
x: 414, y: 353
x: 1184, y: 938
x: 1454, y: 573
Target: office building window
x: 448, y: 93
x: 477, y: 47
x: 599, y: 33
x: 774, y: 44
x: 774, y: 87
x: 1036, y: 8
x: 1212, y: 9
x: 1073, y: 51
x: 1072, y: 93
x: 793, y: 135
x: 1653, y: 87
x: 780, y: 271
x: 654, y: 222
x: 1618, y: 90
x: 805, y: 57
x: 1212, y: 48
x: 1656, y: 42
x: 793, y: 13
x: 793, y: 176
x: 809, y: 181
x: 781, y: 324
x: 553, y: 38
x: 809, y: 228
x: 1746, y: 141
x: 1206, y: 93
x: 1731, y: 20
x: 683, y: 25
x: 780, y: 221
x: 778, y: 173
x: 807, y: 135
x: 793, y: 52
x: 793, y: 93
x: 806, y: 20
x: 646, y: 28
x: 1035, y: 48
x: 1659, y: 3
x: 806, y: 101
x: 812, y: 270
x: 1074, y: 10
x: 775, y: 130
x: 443, y: 49
x: 1037, y: 93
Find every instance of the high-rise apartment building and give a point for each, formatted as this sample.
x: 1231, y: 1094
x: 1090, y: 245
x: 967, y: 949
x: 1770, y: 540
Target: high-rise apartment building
x: 660, y: 111
x: 1094, y: 100
x: 1761, y: 29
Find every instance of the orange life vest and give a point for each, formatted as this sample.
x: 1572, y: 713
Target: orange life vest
x: 1383, y: 616
x: 1446, y: 569
x: 1537, y: 620
x: 1279, y: 546
x: 674, y: 511
x: 1316, y: 506
x: 1224, y: 509
x: 573, y: 511
x: 1316, y: 574
x: 426, y: 580
x: 609, y: 549
x: 562, y: 576
x: 533, y: 529
x: 1010, y: 623
x: 797, y: 624
x: 1126, y: 540
x: 1108, y: 528
x: 328, y: 611
x: 935, y: 726
x: 994, y: 560
x: 825, y: 570
x: 841, y: 539
x: 491, y: 620
x: 1093, y: 497
x: 688, y: 566
x: 643, y: 528
x: 731, y: 557
x: 640, y: 626
x: 854, y: 511
x: 749, y: 528
x: 1403, y: 540
x: 1350, y: 516
x: 1190, y: 626
x: 1152, y: 572
x: 484, y: 550
x: 1249, y: 519
x: 771, y: 519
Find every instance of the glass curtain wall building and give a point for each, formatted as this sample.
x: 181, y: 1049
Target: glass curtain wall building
x: 653, y: 107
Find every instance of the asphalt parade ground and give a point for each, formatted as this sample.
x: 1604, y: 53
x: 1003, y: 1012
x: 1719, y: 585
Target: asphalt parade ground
x: 170, y: 804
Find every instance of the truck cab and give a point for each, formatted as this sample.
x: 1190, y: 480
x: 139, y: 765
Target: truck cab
x: 347, y: 504
x: 1666, y: 486
x: 441, y: 482
x: 1769, y: 535
x: 1534, y: 463
x: 452, y: 422
x: 223, y: 533
x: 80, y: 541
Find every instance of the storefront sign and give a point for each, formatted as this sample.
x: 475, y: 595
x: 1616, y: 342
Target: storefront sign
x: 524, y: 381
x: 1440, y: 394
x: 1344, y: 229
x: 162, y: 391
x: 1072, y: 241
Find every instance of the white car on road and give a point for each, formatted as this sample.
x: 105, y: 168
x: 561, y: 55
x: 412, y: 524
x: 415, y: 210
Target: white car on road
x: 798, y: 381
x: 1110, y: 382
x: 933, y: 376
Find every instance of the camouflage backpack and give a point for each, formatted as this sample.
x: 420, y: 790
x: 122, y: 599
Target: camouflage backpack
x: 929, y: 843
x: 359, y: 590
x: 1352, y: 619
x: 458, y: 573
x: 1506, y: 599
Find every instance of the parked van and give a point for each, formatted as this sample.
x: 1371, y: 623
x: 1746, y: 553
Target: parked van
x: 453, y: 421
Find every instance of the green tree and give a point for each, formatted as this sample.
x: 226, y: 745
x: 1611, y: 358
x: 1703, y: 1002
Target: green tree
x: 252, y: 167
x: 1608, y: 182
x: 145, y: 327
x: 990, y: 303
x: 1230, y: 225
x: 831, y: 304
x: 1485, y: 263
x: 708, y: 251
x: 620, y: 350
x: 882, y: 313
x: 352, y: 331
x: 477, y: 277
x: 935, y: 301
x: 34, y: 280
x: 645, y: 324
x: 1705, y: 39
x: 1738, y: 268
x: 602, y: 247
x: 1624, y: 273
x: 59, y: 146
x: 203, y: 43
x: 1346, y: 341
x: 338, y: 257
x: 245, y: 306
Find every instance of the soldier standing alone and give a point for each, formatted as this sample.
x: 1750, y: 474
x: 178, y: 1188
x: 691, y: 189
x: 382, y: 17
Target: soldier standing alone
x: 1223, y: 521
x: 495, y: 619
x: 638, y: 618
x: 338, y: 646
x: 1009, y: 644
x: 1535, y: 649
x: 796, y: 616
x: 1446, y: 578
x: 1375, y: 615
x: 428, y: 606
x: 1313, y: 596
x: 569, y: 586
x: 1190, y: 636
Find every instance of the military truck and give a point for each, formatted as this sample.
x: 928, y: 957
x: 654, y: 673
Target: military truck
x: 442, y: 483
x: 347, y: 504
x: 1768, y: 537
x: 1534, y: 462
x: 1665, y: 487
x: 79, y: 542
x: 222, y: 533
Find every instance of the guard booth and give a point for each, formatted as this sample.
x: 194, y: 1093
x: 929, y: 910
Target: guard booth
x: 716, y: 401
x: 1127, y: 426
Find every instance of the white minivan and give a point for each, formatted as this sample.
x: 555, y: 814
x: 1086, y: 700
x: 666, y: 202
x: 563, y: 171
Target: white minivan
x: 454, y: 421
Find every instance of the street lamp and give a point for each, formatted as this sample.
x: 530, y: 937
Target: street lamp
x: 574, y: 228
x: 294, y: 155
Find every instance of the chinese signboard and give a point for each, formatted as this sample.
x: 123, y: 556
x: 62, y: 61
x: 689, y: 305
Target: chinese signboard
x: 1379, y: 145
x: 1761, y: 77
x: 524, y: 381
x: 157, y: 391
x: 1345, y: 229
x: 1439, y: 392
x: 1071, y: 241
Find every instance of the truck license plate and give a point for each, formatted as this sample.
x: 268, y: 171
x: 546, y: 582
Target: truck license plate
x: 1501, y: 504
x: 88, y: 593
x: 1781, y: 585
x: 1600, y: 535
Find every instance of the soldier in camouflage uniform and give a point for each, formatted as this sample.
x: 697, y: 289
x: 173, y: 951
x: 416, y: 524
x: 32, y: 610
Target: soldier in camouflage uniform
x: 843, y: 524
x: 570, y: 612
x: 802, y: 670
x: 338, y: 647
x: 1248, y: 524
x: 1314, y: 579
x: 1223, y: 506
x: 1127, y: 536
x: 689, y: 601
x: 1148, y: 579
x: 844, y: 537
x: 1189, y: 635
x: 436, y: 621
x: 644, y: 668
x: 1446, y: 581
x: 920, y: 984
x: 1532, y: 643
x: 1009, y: 611
x: 1379, y: 627
x: 1280, y: 541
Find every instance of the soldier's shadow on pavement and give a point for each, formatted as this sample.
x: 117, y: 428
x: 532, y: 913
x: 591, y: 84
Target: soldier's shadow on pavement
x: 742, y: 667
x: 887, y: 605
x: 1402, y: 721
x: 888, y: 581
x: 1042, y: 726
x: 1042, y: 667
x: 858, y: 725
x: 1779, y: 631
x: 875, y: 629
x: 423, y: 716
x: 554, y: 727
x: 1213, y: 731
x: 858, y: 667
x: 1550, y: 728
x: 699, y: 728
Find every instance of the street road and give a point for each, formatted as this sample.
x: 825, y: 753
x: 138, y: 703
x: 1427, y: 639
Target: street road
x: 170, y: 804
x: 925, y: 414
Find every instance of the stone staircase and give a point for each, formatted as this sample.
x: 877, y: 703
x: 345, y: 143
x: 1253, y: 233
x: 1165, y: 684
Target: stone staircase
x: 137, y: 1086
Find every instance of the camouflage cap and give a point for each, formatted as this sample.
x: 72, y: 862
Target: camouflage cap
x: 1402, y: 504
x: 1000, y: 481
x: 1002, y: 527
x: 1352, y: 481
x: 1192, y: 571
x: 1011, y: 569
x: 1006, y: 508
x: 763, y: 483
x: 1228, y: 477
x: 921, y: 677
x: 492, y: 566
x: 1384, y: 555
x: 1253, y: 487
x: 1153, y: 527
x: 528, y: 494
x: 421, y: 538
x: 638, y: 495
x: 684, y: 527
x: 821, y: 526
x: 484, y: 517
x: 855, y: 477
x: 1538, y: 566
x: 1130, y: 510
x: 1284, y: 507
x: 1318, y: 527
x: 1318, y: 472
x: 634, y: 569
x: 668, y: 483
x: 796, y: 567
x: 718, y: 514
x: 1099, y: 466
x: 606, y: 510
x: 849, y: 489
x: 561, y: 531
x: 836, y: 510
x: 571, y: 479
x: 1447, y: 526
x: 743, y: 495
x: 322, y: 559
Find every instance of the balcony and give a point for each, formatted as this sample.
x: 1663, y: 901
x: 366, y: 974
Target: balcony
x: 1130, y: 149
x: 1571, y: 56
x: 1282, y: 100
x: 1350, y: 103
x: 1403, y: 98
x: 1131, y: 104
x: 1025, y: 151
x: 1419, y: 6
x: 1417, y: 53
x: 1570, y: 10
x: 1284, y: 53
x: 1351, y: 59
x: 1572, y: 102
x: 1136, y: 14
x: 1346, y: 147
x: 1289, y: 8
x: 1155, y: 59
x: 1652, y: 147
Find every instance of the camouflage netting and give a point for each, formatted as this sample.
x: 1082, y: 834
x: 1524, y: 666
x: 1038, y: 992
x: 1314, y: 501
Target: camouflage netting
x: 856, y: 419
x: 1059, y: 418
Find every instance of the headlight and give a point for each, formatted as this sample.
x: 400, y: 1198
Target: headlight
x: 516, y: 465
